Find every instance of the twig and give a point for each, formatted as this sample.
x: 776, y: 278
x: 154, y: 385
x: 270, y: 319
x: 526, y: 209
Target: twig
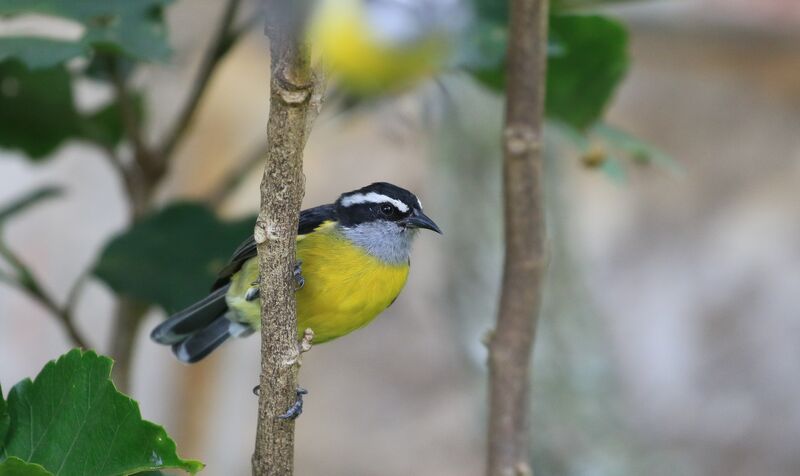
x: 511, y: 343
x: 255, y: 157
x: 27, y: 282
x: 148, y: 169
x: 292, y: 87
x: 235, y: 177
x: 223, y: 39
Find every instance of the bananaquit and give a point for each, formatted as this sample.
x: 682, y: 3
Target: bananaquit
x: 353, y: 258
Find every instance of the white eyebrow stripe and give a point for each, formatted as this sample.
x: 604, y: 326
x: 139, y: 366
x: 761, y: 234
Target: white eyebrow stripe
x: 373, y: 197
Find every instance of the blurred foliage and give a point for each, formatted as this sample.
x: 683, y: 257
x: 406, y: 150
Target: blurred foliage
x: 28, y: 200
x: 37, y: 52
x: 134, y: 29
x: 72, y: 421
x: 612, y: 150
x: 587, y: 58
x: 5, y: 418
x: 37, y: 110
x: 171, y: 257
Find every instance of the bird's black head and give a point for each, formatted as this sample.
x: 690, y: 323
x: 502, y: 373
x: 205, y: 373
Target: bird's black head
x: 382, y: 202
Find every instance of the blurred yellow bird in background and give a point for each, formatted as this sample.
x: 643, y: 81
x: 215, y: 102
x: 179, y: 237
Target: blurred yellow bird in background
x: 378, y: 46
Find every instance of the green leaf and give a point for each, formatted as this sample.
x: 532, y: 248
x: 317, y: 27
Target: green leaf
x: 132, y: 28
x: 587, y: 58
x: 105, y: 125
x: 37, y: 112
x: 171, y: 257
x: 495, y: 11
x: 28, y: 200
x: 5, y: 419
x: 73, y: 421
x: 37, y: 52
x: 591, y: 60
x: 16, y: 467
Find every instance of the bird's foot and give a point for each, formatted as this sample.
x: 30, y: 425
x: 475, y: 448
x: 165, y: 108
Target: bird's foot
x: 253, y: 290
x: 297, y: 408
x: 298, y: 275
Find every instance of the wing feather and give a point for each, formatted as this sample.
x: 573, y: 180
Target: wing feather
x: 310, y: 219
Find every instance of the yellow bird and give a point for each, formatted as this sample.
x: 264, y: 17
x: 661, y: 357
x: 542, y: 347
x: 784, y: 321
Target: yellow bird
x: 378, y: 46
x: 353, y: 261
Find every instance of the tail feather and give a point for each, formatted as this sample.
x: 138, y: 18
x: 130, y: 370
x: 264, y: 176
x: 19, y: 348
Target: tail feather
x: 196, y: 317
x: 202, y: 342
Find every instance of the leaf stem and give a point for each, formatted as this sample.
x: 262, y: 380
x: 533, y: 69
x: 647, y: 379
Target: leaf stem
x: 235, y: 177
x: 27, y: 282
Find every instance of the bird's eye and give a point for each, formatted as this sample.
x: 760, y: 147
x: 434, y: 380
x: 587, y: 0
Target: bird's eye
x: 387, y: 210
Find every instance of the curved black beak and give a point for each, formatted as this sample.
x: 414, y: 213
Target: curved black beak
x: 420, y: 220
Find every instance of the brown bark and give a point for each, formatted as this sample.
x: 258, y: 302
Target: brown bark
x: 512, y: 341
x: 293, y: 85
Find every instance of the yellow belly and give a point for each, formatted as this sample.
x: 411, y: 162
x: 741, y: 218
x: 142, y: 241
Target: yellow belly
x: 345, y: 288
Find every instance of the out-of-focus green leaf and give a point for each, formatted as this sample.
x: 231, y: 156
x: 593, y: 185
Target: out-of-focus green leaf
x: 587, y: 58
x: 105, y: 125
x: 494, y: 11
x: 592, y: 60
x: 72, y: 421
x: 16, y: 467
x: 171, y: 257
x: 5, y: 419
x: 482, y: 52
x: 28, y: 200
x: 133, y: 28
x: 37, y: 52
x: 37, y: 112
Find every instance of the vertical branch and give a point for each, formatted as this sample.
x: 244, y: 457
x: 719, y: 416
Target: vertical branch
x: 129, y: 314
x: 512, y: 342
x: 293, y: 84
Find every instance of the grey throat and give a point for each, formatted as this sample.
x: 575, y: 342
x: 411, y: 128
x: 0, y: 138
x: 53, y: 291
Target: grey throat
x: 385, y: 240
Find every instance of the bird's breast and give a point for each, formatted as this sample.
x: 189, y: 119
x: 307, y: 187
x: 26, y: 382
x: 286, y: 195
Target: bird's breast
x: 345, y: 287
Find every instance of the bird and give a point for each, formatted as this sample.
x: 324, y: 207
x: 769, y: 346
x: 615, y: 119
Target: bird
x: 353, y: 259
x: 373, y: 47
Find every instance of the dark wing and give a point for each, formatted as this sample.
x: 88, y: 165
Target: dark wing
x: 313, y: 217
x: 309, y: 221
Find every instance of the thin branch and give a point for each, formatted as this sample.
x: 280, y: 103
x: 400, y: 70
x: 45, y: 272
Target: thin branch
x: 282, y: 187
x: 130, y: 118
x: 255, y: 157
x: 234, y: 178
x: 27, y: 282
x: 224, y: 38
x: 511, y: 343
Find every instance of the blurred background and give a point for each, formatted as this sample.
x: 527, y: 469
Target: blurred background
x: 669, y: 342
